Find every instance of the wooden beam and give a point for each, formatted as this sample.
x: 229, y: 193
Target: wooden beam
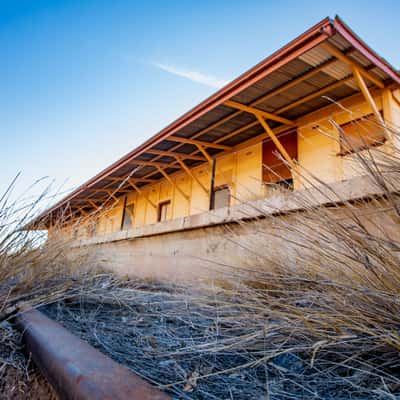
x: 141, y: 192
x: 94, y: 204
x: 257, y: 112
x: 315, y: 94
x: 274, y: 92
x: 237, y: 131
x: 86, y: 199
x: 258, y: 139
x: 327, y: 111
x: 197, y: 142
x: 155, y: 164
x: 263, y: 98
x: 342, y: 57
x: 145, y: 180
x: 171, y: 181
x: 294, y: 82
x: 124, y: 179
x: 111, y: 194
x: 172, y: 154
x: 206, y: 155
x: 105, y: 190
x: 193, y: 176
x: 370, y: 100
x: 275, y: 139
x: 80, y: 210
x: 268, y: 95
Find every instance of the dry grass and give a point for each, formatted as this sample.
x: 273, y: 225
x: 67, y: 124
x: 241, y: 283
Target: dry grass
x: 320, y: 321
x: 34, y: 272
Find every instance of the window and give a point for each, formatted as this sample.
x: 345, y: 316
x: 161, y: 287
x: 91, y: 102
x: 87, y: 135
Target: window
x: 275, y: 170
x: 221, y: 197
x: 163, y: 211
x: 360, y: 134
x: 91, y: 228
x: 128, y: 216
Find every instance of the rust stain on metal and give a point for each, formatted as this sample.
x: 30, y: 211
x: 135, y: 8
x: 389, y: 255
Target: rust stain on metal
x: 76, y: 370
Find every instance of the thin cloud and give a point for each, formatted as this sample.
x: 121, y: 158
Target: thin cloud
x: 194, y: 76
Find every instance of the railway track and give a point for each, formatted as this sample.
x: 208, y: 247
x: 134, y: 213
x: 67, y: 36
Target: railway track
x: 76, y: 370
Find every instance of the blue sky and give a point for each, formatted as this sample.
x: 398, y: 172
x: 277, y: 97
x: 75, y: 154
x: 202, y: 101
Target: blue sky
x: 83, y: 82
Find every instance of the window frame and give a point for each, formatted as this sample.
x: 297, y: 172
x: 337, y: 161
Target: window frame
x: 345, y: 150
x: 161, y: 204
x: 131, y: 215
x: 220, y: 188
x: 286, y: 179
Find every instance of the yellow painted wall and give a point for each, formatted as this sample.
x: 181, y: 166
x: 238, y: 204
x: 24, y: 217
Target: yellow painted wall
x: 248, y: 183
x: 318, y: 142
x: 242, y: 170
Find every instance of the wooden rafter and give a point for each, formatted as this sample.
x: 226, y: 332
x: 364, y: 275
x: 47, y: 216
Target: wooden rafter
x: 259, y: 138
x: 155, y: 164
x: 111, y: 194
x: 141, y: 192
x: 171, y: 181
x: 315, y: 94
x: 94, y: 204
x: 121, y: 179
x: 87, y: 199
x: 206, y: 155
x: 237, y: 131
x: 173, y: 154
x: 257, y: 112
x: 261, y: 99
x: 76, y: 209
x: 201, y: 145
x: 252, y: 124
x: 274, y: 92
x: 369, y: 99
x: 193, y: 176
x: 353, y: 64
x: 288, y: 107
x: 105, y: 190
x: 275, y: 139
x: 197, y: 142
x: 294, y: 82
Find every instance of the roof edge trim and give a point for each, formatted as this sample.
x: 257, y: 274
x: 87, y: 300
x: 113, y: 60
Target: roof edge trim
x: 344, y: 30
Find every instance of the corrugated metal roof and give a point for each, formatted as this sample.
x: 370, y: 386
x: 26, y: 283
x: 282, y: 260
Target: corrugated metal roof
x: 212, y: 121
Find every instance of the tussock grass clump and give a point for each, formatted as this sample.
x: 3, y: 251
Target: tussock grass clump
x: 36, y: 272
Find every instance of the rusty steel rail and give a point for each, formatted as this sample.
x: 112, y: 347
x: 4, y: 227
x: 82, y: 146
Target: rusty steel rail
x: 76, y: 370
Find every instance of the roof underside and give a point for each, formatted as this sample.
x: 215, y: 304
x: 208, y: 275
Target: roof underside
x: 293, y: 87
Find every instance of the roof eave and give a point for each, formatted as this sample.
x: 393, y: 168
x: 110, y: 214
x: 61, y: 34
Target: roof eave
x: 304, y: 42
x: 344, y: 30
x: 308, y: 40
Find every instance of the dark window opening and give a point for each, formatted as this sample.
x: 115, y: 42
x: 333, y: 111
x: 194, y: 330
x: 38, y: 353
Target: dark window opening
x: 275, y: 169
x: 128, y: 216
x: 92, y: 228
x: 221, y: 197
x: 163, y: 211
x: 361, y: 134
x: 284, y: 184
